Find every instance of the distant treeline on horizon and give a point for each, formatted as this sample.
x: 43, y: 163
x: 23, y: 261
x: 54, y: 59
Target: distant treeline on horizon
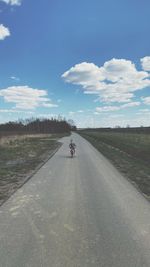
x: 36, y: 126
x: 141, y: 129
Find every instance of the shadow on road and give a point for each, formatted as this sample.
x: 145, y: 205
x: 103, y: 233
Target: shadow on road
x: 66, y: 156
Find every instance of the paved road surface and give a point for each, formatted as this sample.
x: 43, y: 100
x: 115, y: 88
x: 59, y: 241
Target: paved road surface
x: 76, y: 212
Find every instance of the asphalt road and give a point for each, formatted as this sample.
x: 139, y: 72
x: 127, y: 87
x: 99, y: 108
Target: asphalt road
x: 76, y: 212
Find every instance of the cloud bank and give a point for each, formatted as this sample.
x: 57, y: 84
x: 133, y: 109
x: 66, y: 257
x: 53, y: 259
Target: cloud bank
x: 115, y: 81
x: 26, y: 98
x: 115, y: 108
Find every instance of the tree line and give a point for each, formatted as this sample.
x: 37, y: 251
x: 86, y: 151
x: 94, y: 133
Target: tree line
x: 36, y: 126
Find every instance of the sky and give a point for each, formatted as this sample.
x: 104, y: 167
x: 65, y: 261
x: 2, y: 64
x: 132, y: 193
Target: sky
x: 86, y: 60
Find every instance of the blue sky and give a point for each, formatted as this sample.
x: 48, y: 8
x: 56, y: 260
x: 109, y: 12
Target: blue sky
x: 85, y: 60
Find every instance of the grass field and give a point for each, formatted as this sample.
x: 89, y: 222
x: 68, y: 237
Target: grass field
x: 129, y: 152
x: 20, y: 156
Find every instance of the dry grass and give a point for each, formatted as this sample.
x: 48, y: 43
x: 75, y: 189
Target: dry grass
x: 20, y: 156
x: 6, y: 140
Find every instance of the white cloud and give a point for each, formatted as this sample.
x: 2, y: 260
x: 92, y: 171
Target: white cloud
x: 15, y: 111
x: 85, y: 74
x: 14, y: 78
x: 116, y: 116
x: 71, y: 113
x: 131, y: 104
x: 25, y: 97
x: 146, y: 100
x: 4, y: 32
x: 144, y: 110
x: 115, y: 81
x: 49, y: 105
x: 12, y: 2
x: 47, y: 115
x: 107, y: 108
x: 145, y: 61
x: 76, y: 112
x: 115, y: 108
x: 96, y: 113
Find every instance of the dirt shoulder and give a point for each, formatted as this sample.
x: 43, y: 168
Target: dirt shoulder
x: 129, y: 153
x: 20, y: 157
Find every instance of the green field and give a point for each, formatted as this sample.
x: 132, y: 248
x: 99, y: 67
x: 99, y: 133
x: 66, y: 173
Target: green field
x: 20, y: 156
x: 129, y: 152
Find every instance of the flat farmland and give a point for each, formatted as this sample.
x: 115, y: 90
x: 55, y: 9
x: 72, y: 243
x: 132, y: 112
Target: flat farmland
x: 129, y: 152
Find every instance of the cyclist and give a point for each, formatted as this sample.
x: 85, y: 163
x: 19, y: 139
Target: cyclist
x: 72, y: 146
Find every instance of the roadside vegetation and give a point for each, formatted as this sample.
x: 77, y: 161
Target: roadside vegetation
x: 24, y: 148
x: 128, y: 150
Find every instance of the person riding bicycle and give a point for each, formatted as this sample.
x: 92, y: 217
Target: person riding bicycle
x: 72, y: 146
